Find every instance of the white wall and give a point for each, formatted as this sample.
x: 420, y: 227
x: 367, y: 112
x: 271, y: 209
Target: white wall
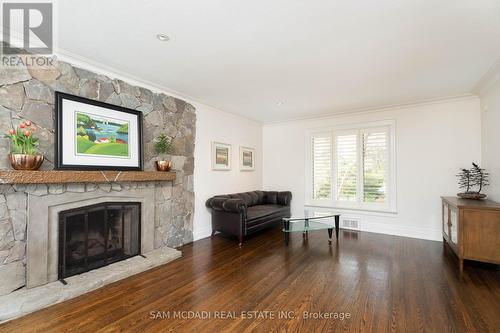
x: 490, y: 107
x: 214, y: 125
x: 433, y: 141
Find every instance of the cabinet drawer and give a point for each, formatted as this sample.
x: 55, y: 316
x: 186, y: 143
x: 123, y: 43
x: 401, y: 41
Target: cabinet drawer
x: 482, y: 235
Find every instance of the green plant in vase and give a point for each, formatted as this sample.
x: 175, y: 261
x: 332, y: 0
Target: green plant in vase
x: 23, y: 155
x: 163, y: 146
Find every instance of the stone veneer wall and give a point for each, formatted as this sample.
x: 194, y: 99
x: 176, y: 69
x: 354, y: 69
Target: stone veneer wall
x: 28, y: 94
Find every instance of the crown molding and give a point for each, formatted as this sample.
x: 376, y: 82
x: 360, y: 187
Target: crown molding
x: 390, y: 107
x: 488, y: 79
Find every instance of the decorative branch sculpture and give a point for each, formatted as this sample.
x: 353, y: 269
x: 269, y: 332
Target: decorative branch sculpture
x: 465, y: 180
x: 474, y: 177
x: 480, y: 177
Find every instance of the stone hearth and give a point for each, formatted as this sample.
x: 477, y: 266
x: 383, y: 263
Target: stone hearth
x: 26, y: 300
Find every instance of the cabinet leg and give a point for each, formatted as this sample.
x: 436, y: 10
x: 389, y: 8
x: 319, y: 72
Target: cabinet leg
x: 461, y: 264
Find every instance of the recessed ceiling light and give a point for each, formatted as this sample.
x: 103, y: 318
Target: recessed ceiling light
x: 163, y: 37
x: 280, y: 103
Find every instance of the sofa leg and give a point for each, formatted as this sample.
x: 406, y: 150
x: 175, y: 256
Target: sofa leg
x: 213, y: 234
x: 240, y: 238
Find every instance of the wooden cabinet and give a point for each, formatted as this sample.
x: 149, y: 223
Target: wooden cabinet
x: 472, y: 229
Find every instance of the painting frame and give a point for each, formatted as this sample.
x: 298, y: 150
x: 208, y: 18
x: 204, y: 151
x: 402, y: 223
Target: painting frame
x: 245, y: 153
x: 109, y: 155
x: 218, y: 156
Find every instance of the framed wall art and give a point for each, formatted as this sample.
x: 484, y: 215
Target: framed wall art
x: 221, y: 156
x: 247, y: 159
x: 92, y: 135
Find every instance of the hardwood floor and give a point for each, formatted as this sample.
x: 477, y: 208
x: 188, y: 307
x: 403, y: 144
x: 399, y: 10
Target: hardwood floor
x: 384, y: 283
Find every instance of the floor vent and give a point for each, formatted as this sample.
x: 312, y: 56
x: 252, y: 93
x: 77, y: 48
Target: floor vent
x: 350, y: 223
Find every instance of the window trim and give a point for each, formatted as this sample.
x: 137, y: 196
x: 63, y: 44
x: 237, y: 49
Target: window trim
x: 391, y: 204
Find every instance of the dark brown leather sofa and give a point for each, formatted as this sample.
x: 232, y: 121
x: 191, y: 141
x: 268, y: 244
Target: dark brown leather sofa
x: 241, y: 214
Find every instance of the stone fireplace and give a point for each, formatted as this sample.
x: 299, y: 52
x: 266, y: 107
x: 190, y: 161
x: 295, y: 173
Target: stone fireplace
x: 30, y: 213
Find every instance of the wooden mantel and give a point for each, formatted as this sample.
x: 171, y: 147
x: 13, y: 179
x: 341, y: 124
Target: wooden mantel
x: 59, y: 177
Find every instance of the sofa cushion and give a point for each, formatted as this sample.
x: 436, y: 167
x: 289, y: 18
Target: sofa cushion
x: 264, y: 214
x: 259, y: 211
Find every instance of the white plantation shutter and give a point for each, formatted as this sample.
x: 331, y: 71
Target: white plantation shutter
x: 321, y: 160
x: 375, y: 165
x: 347, y: 168
x: 354, y: 168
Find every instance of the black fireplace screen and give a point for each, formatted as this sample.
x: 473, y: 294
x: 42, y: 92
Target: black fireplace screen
x: 95, y: 236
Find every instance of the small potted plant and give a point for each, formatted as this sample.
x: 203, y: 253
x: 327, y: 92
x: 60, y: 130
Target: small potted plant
x: 23, y: 154
x: 163, y: 145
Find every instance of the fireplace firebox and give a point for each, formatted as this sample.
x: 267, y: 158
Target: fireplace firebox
x: 95, y: 236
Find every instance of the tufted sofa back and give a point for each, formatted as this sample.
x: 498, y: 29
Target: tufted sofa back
x: 254, y: 198
x: 250, y: 198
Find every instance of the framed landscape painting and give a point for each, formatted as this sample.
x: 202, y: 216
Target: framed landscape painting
x: 247, y: 159
x: 92, y: 135
x: 221, y: 156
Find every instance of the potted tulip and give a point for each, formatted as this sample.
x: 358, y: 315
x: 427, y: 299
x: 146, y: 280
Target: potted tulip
x: 23, y: 154
x: 163, y: 145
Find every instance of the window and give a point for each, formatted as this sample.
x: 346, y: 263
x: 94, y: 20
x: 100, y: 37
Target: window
x: 321, y: 148
x: 346, y: 167
x: 375, y: 168
x: 353, y: 168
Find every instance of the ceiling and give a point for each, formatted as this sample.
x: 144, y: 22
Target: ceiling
x: 317, y: 57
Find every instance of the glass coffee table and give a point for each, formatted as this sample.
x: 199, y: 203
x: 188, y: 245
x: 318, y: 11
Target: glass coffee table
x: 311, y: 220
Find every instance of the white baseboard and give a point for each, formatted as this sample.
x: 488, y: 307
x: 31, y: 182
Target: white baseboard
x: 404, y: 231
x: 379, y: 228
x: 200, y: 233
x: 390, y: 224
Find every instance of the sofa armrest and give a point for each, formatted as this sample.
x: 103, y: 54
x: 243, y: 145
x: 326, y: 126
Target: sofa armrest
x: 284, y: 198
x: 226, y: 204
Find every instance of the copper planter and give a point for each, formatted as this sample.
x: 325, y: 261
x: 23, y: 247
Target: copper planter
x: 163, y: 165
x: 26, y: 162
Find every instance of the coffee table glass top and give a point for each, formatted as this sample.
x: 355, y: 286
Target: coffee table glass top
x: 310, y: 220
